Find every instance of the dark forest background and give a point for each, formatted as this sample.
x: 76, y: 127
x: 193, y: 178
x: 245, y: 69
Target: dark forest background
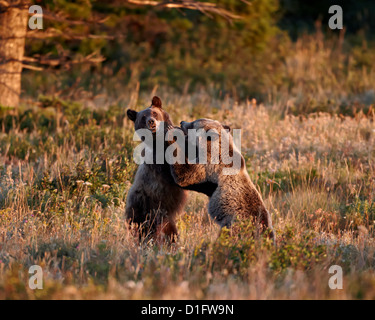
x: 187, y: 50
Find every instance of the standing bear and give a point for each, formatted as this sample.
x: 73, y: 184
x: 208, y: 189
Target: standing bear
x: 235, y: 197
x: 154, y: 200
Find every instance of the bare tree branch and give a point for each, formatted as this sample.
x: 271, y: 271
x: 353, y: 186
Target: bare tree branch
x: 204, y: 7
x: 66, y: 34
x: 61, y: 17
x: 27, y: 66
x: 64, y: 60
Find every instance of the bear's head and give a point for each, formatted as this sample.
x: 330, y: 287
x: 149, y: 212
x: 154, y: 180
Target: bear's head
x: 208, y: 136
x: 205, y: 124
x: 205, y: 128
x: 150, y: 118
x: 214, y: 139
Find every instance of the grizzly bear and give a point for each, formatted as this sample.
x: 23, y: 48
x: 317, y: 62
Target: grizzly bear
x: 154, y: 200
x: 235, y: 197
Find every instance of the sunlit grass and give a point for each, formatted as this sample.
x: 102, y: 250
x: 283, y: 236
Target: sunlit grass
x: 66, y: 170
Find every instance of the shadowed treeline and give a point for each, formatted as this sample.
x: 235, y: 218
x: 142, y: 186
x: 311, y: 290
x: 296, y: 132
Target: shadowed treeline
x: 186, y: 51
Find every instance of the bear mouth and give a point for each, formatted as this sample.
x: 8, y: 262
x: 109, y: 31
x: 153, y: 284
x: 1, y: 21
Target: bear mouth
x: 152, y: 127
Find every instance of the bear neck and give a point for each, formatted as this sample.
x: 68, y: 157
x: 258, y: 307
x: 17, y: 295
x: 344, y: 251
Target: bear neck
x: 162, y: 168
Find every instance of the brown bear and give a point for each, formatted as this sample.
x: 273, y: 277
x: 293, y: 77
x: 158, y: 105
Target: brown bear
x: 154, y: 200
x: 235, y: 196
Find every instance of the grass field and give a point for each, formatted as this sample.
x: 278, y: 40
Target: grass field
x: 66, y: 170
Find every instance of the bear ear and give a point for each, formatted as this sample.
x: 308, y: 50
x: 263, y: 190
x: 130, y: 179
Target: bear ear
x: 132, y: 114
x: 226, y: 127
x: 156, y: 102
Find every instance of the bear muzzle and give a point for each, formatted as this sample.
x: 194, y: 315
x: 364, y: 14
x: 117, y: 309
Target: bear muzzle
x: 151, y: 125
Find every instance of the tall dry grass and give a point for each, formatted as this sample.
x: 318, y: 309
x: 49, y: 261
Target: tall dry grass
x: 63, y: 209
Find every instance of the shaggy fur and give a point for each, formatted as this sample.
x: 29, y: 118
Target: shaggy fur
x: 154, y: 200
x: 236, y: 196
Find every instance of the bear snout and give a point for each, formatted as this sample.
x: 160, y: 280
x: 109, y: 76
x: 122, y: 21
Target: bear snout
x: 151, y: 124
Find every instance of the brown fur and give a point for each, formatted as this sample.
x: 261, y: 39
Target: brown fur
x: 154, y: 199
x: 236, y: 196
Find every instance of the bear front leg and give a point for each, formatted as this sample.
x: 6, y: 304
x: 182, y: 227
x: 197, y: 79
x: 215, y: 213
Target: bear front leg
x: 188, y: 174
x: 138, y: 216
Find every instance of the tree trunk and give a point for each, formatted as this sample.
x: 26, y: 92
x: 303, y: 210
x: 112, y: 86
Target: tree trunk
x: 13, y: 23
